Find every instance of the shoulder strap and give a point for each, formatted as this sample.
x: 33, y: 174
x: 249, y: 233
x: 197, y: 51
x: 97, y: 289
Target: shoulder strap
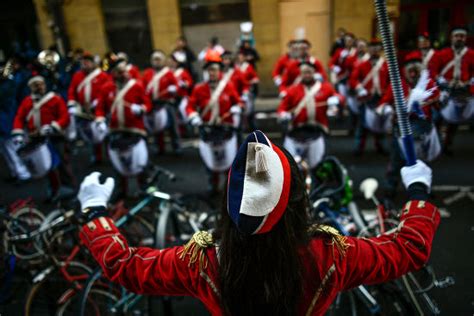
x: 307, y: 97
x: 35, y: 109
x: 452, y: 62
x: 88, y: 79
x: 119, y: 102
x: 154, y: 85
x: 213, y: 104
x: 373, y: 71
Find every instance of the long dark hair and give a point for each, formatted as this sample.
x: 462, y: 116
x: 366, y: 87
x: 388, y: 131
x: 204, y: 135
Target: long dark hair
x: 263, y: 274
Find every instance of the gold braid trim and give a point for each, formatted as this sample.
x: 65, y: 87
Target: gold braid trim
x: 195, y: 249
x: 338, y: 240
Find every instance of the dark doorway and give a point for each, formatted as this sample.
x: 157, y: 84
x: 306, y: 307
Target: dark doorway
x: 128, y: 28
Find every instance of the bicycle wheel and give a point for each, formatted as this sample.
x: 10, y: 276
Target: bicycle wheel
x: 139, y: 232
x: 26, y: 219
x: 44, y: 296
x: 417, y: 284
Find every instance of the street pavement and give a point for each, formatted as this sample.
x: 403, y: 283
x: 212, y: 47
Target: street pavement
x: 453, y: 248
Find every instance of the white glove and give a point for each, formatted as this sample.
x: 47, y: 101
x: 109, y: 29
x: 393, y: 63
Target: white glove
x: 419, y: 172
x: 182, y: 84
x: 419, y: 93
x: 443, y: 96
x: 284, y: 117
x: 72, y: 110
x: 18, y: 140
x: 362, y: 92
x: 101, y: 126
x: 196, y: 121
x: 245, y: 97
x: 172, y: 89
x: 92, y: 193
x: 442, y: 81
x: 384, y: 110
x: 235, y: 109
x: 336, y: 69
x: 46, y: 130
x: 333, y: 101
x: 136, y: 109
x: 94, y: 103
x: 277, y: 80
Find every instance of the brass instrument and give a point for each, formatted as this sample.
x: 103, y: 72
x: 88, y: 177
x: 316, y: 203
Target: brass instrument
x: 49, y: 59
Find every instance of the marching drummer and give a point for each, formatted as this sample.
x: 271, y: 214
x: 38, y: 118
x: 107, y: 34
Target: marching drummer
x: 83, y: 96
x: 215, y: 102
x: 44, y: 115
x: 305, y: 107
x: 124, y: 100
x: 161, y: 88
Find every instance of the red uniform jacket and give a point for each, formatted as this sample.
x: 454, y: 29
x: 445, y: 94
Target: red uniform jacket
x: 308, y: 113
x: 426, y: 106
x: 53, y: 112
x: 199, y: 103
x: 428, y: 59
x: 249, y: 73
x: 133, y: 71
x: 292, y: 73
x: 78, y: 90
x: 158, y: 90
x: 185, y: 82
x: 281, y: 65
x: 343, y: 58
x: 239, y: 81
x: 124, y: 120
x: 329, y: 269
x: 442, y: 67
x: 362, y: 70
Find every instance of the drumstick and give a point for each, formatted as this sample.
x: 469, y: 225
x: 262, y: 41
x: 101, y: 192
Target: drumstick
x: 394, y: 73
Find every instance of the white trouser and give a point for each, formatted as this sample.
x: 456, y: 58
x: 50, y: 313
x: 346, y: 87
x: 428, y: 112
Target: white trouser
x: 15, y: 164
x: 458, y: 110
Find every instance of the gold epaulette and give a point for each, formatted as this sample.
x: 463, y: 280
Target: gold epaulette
x: 338, y: 240
x: 195, y: 249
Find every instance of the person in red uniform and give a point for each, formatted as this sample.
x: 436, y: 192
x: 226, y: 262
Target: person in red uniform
x: 251, y: 77
x: 132, y: 69
x: 267, y: 258
x: 422, y: 97
x: 185, y: 85
x: 83, y: 94
x: 292, y: 73
x: 282, y: 62
x: 122, y: 106
x: 44, y: 114
x: 351, y: 99
x: 304, y: 108
x: 368, y: 80
x: 161, y: 87
x: 427, y: 52
x: 215, y: 102
x: 339, y: 64
x: 453, y: 69
x: 237, y: 77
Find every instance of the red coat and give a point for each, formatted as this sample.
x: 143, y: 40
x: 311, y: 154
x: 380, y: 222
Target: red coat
x: 343, y: 58
x: 249, y: 73
x: 129, y: 121
x: 239, y: 81
x: 361, y: 71
x: 427, y: 106
x: 328, y: 270
x: 292, y: 72
x: 167, y: 80
x: 445, y: 56
x: 53, y: 112
x: 74, y: 94
x: 133, y: 71
x: 198, y: 103
x: 281, y: 65
x: 296, y: 93
x: 185, y: 81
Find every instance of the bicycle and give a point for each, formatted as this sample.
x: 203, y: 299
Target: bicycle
x: 174, y: 225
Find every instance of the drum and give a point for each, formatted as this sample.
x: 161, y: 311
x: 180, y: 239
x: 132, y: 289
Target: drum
x: 39, y: 157
x: 375, y: 122
x: 89, y: 132
x: 128, y: 153
x: 217, y: 147
x: 426, y: 139
x: 306, y: 142
x: 458, y: 109
x: 157, y: 120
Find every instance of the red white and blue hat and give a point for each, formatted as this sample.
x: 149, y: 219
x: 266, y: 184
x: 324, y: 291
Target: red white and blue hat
x: 258, y: 185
